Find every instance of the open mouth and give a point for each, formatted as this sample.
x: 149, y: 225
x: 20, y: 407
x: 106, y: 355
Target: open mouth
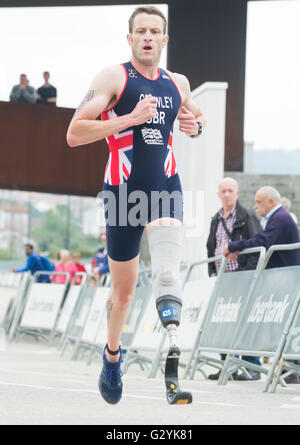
x: 147, y: 48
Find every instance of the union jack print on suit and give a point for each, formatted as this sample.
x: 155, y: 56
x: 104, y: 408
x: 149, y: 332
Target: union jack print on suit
x: 170, y: 164
x: 119, y: 163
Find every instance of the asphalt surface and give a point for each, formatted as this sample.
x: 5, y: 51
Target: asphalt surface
x: 39, y: 387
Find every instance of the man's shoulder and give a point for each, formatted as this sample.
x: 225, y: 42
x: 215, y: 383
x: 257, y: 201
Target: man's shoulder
x: 244, y: 211
x: 113, y: 76
x: 281, y: 215
x: 179, y: 79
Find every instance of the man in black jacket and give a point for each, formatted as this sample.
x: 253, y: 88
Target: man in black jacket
x: 232, y: 222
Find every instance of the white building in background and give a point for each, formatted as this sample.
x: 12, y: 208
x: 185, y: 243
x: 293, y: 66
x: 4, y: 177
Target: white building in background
x: 14, y: 217
x: 91, y: 220
x: 14, y: 220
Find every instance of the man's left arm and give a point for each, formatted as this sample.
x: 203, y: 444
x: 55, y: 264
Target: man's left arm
x: 191, y: 118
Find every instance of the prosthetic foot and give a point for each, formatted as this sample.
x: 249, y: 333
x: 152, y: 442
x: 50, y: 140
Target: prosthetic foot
x: 165, y: 246
x: 169, y: 309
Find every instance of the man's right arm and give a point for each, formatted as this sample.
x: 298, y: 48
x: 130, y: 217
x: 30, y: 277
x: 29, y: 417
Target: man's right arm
x: 102, y: 94
x: 29, y: 265
x: 15, y: 94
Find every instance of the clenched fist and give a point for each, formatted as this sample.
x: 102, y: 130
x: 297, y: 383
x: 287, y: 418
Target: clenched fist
x: 144, y: 110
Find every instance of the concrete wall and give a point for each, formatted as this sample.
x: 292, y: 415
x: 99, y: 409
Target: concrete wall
x: 200, y: 163
x: 287, y: 185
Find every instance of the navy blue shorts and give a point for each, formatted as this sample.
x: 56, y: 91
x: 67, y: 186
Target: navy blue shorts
x: 129, y: 208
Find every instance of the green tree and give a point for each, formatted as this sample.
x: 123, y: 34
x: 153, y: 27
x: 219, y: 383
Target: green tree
x: 60, y: 229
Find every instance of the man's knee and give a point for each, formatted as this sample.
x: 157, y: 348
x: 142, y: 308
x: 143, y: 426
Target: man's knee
x: 123, y: 296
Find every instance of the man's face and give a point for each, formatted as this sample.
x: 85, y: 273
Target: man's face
x: 28, y: 250
x: 147, y: 39
x: 23, y: 79
x: 228, y: 193
x: 46, y: 76
x: 263, y: 205
x: 76, y: 258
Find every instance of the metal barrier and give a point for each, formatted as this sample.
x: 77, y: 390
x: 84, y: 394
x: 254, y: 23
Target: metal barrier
x: 39, y: 311
x: 95, y: 316
x: 227, y: 304
x: 10, y: 286
x: 267, y: 318
x: 253, y: 323
x: 71, y: 299
x: 79, y: 315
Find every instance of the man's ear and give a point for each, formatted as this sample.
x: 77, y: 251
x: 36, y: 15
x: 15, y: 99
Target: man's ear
x: 166, y: 39
x: 129, y: 38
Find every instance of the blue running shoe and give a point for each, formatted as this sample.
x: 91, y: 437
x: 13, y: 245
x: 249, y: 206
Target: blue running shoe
x: 110, y: 382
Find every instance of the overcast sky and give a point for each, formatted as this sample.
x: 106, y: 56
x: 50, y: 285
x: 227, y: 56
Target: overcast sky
x: 74, y: 43
x: 272, y: 99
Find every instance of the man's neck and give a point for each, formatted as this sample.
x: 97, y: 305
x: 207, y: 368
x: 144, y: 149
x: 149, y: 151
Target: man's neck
x: 151, y: 71
x: 227, y: 210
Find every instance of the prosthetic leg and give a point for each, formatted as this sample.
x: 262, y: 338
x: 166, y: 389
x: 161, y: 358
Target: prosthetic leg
x: 165, y: 247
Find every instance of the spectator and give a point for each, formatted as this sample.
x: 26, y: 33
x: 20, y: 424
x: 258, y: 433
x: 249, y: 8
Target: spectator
x: 278, y: 228
x: 80, y: 267
x: 98, y: 258
x: 23, y: 92
x: 46, y: 93
x: 232, y: 222
x: 286, y: 204
x: 33, y: 264
x: 66, y: 264
x: 102, y: 268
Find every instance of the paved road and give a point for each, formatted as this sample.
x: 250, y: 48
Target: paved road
x: 39, y: 387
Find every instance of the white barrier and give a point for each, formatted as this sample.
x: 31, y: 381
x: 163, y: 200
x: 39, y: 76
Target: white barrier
x: 41, y: 306
x: 96, y: 322
x: 10, y: 284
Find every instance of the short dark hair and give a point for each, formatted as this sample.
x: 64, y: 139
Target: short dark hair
x: 151, y: 10
x: 29, y: 245
x: 46, y: 72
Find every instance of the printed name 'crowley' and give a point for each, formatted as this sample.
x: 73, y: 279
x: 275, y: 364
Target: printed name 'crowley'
x: 268, y: 311
x: 226, y: 312
x: 162, y: 102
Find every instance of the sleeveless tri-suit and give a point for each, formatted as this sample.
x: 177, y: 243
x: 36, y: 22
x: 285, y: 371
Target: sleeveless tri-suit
x: 141, y: 175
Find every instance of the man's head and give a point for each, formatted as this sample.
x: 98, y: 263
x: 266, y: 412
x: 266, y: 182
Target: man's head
x: 23, y: 79
x: 46, y: 76
x: 266, y: 199
x: 286, y: 203
x: 147, y: 34
x: 228, y: 192
x: 76, y: 257
x: 28, y: 249
x: 64, y: 255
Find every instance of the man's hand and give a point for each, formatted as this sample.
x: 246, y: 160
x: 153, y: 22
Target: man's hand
x: 144, y: 110
x: 188, y: 122
x: 230, y: 255
x: 13, y: 269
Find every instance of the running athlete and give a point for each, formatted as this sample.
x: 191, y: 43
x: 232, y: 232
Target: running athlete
x: 138, y: 103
